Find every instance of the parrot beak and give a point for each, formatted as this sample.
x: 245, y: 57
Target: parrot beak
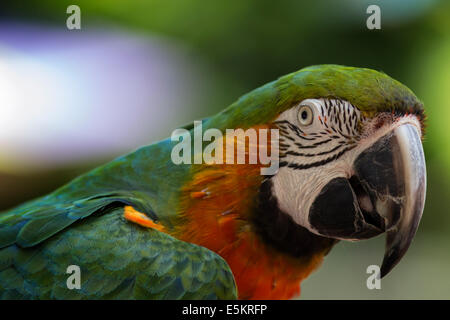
x: 386, y: 194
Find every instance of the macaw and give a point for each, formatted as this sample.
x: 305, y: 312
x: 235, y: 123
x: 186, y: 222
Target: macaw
x: 351, y: 167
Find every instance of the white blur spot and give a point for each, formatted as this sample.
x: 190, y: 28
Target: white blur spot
x: 67, y: 97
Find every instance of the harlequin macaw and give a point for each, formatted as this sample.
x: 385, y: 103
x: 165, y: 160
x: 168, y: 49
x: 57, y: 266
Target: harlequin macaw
x: 351, y: 167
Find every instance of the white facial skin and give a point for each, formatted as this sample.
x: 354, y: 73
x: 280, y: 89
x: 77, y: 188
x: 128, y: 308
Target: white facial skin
x: 319, y: 141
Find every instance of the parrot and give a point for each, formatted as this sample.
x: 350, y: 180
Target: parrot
x: 351, y: 167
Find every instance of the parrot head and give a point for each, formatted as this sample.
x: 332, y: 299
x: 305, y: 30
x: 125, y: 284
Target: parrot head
x: 351, y: 163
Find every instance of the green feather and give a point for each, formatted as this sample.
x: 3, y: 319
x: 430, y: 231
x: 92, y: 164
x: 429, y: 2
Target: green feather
x: 112, y: 265
x: 369, y: 90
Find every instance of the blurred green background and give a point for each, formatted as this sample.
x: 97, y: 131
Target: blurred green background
x: 160, y: 64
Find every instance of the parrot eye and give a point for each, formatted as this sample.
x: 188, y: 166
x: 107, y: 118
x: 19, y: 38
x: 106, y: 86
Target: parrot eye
x: 305, y: 115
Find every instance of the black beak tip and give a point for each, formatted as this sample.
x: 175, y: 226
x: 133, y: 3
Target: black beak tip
x: 390, y: 260
x: 384, y: 271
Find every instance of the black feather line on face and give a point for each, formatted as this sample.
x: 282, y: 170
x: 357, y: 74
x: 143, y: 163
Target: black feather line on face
x: 297, y: 166
x: 294, y: 153
x: 339, y: 131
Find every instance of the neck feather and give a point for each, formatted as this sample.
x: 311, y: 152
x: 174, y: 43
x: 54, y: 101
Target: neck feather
x: 231, y: 210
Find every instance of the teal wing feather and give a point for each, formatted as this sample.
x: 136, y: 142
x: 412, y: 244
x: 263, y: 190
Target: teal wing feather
x: 117, y: 260
x: 82, y: 224
x: 31, y: 224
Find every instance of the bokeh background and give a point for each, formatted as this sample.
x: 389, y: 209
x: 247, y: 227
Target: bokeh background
x: 73, y: 99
